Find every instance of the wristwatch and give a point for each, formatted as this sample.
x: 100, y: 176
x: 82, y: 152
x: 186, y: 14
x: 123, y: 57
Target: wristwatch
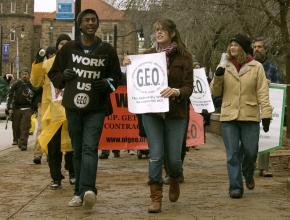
x: 177, y: 92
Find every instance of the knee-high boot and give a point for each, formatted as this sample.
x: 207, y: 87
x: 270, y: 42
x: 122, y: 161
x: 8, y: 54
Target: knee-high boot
x: 156, y: 198
x: 174, y: 190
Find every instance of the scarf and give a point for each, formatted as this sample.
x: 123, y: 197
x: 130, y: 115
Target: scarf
x: 170, y: 49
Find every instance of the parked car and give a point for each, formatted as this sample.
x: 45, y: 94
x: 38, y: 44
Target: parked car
x: 2, y: 110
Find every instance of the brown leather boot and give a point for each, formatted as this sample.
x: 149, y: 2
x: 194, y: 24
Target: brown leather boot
x: 174, y: 190
x: 156, y: 197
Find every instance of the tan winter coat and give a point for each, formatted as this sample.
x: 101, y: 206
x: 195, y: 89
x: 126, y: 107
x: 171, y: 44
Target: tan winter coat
x: 245, y: 94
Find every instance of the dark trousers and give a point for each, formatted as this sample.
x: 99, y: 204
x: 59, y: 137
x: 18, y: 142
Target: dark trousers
x: 55, y: 157
x: 21, y: 124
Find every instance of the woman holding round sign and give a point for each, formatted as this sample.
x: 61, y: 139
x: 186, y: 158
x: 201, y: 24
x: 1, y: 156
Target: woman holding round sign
x: 165, y: 131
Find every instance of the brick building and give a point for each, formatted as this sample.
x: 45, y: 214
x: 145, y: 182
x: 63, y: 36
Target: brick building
x: 16, y: 23
x: 36, y: 30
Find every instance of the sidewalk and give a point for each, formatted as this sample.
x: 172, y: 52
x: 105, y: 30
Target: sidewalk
x: 123, y: 193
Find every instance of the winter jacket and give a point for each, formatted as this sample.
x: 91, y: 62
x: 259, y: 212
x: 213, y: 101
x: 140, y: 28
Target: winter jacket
x: 101, y: 63
x: 180, y: 76
x: 21, y: 95
x: 245, y: 94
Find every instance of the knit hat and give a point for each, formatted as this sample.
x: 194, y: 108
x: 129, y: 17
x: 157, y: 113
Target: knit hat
x: 243, y: 41
x: 25, y: 70
x: 83, y: 13
x: 50, y: 51
x: 61, y: 38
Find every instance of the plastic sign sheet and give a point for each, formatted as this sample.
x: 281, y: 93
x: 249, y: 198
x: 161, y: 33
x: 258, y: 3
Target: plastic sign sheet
x: 273, y: 139
x: 201, y: 95
x: 121, y: 131
x: 146, y: 78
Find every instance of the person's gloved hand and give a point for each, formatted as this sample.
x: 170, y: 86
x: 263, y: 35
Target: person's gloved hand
x: 101, y: 85
x: 40, y: 55
x: 69, y: 74
x: 220, y: 71
x: 206, y: 116
x: 266, y: 124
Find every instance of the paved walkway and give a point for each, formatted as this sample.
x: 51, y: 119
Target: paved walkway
x: 123, y: 193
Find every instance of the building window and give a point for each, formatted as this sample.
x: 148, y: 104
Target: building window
x: 107, y: 37
x: 12, y: 35
x: 13, y: 7
x: 26, y: 8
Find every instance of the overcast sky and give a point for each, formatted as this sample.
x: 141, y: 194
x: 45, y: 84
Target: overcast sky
x: 44, y: 5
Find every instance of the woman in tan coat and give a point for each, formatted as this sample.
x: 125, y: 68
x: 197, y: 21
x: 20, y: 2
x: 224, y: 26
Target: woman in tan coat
x: 242, y: 83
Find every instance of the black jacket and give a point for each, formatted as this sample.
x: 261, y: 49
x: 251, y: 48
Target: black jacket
x: 21, y: 95
x: 79, y: 94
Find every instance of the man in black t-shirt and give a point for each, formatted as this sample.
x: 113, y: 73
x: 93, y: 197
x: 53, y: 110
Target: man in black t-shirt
x: 88, y: 70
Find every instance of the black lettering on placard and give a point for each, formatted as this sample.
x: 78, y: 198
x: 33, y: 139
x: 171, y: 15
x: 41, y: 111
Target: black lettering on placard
x: 197, y: 88
x: 148, y: 77
x: 121, y: 100
x: 193, y: 131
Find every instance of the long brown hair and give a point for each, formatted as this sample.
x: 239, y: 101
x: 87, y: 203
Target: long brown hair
x: 170, y: 26
x: 242, y: 56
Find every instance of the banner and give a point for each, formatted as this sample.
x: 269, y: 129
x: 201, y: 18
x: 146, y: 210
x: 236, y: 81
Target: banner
x: 201, y: 95
x: 5, y: 52
x: 273, y: 139
x: 121, y: 131
x: 195, y: 130
x: 146, y: 78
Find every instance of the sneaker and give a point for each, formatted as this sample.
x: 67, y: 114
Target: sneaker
x: 103, y: 156
x: 116, y: 154
x: 23, y: 147
x: 37, y: 160
x: 72, y: 180
x: 89, y: 199
x: 265, y: 173
x: 55, y: 185
x: 14, y: 143
x: 76, y: 201
x: 132, y: 152
x: 166, y: 180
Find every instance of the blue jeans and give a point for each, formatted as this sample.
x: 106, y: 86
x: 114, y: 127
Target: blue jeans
x: 165, y: 137
x: 241, y: 142
x: 85, y: 132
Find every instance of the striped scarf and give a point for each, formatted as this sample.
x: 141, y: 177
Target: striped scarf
x: 170, y: 49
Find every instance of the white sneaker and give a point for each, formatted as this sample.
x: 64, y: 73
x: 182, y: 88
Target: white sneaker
x: 89, y: 199
x: 132, y: 152
x: 76, y: 201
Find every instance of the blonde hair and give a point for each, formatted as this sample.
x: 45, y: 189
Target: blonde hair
x: 242, y: 56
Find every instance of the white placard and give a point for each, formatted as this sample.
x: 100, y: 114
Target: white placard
x: 201, y: 95
x: 146, y: 78
x: 273, y: 138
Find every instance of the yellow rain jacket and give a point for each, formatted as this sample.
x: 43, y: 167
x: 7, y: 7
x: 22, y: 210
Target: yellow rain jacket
x: 53, y: 113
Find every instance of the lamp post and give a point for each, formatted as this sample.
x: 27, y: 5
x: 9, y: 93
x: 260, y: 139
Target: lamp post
x: 77, y: 11
x: 140, y: 31
x: 17, y: 50
x: 1, y: 42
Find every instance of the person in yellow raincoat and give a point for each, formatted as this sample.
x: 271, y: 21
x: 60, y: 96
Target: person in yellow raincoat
x: 54, y: 138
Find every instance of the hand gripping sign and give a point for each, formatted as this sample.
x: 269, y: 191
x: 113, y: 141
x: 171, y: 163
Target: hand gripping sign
x: 146, y: 78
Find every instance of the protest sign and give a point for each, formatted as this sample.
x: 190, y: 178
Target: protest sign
x: 274, y: 137
x: 201, y: 95
x: 146, y: 78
